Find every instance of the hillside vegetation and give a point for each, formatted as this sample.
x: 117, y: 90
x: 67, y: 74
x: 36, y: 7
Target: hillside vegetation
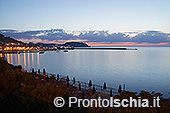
x: 20, y: 92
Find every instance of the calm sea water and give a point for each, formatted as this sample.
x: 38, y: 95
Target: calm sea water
x: 148, y: 68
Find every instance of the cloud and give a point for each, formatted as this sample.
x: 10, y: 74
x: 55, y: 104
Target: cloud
x: 149, y: 38
x: 127, y: 44
x: 30, y: 40
x: 37, y: 40
x: 131, y: 34
x: 39, y: 34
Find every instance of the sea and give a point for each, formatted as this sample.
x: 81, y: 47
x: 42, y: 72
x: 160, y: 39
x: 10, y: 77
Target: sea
x: 147, y: 68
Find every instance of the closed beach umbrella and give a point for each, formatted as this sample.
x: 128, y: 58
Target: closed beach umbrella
x: 110, y: 92
x: 57, y: 77
x: 120, y: 89
x: 74, y: 81
x: 43, y: 71
x: 94, y: 91
x: 104, y: 85
x: 38, y: 71
x: 79, y: 87
x: 32, y: 70
x: 90, y: 84
x: 67, y: 79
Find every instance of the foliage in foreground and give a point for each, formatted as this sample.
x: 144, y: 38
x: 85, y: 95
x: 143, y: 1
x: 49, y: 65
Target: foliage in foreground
x: 21, y: 92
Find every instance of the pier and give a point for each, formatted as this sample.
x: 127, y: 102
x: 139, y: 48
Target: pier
x: 103, y: 48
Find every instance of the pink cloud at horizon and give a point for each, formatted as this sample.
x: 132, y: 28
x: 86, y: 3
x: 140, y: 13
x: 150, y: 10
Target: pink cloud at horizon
x: 127, y: 44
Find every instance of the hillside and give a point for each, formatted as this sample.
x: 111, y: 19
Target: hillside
x: 4, y: 39
x: 22, y: 92
x: 75, y: 44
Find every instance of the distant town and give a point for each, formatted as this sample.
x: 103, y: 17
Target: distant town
x: 9, y: 45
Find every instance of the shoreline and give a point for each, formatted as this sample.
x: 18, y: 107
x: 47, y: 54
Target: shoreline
x: 76, y: 48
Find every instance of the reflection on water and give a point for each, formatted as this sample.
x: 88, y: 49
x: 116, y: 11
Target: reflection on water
x: 32, y: 59
x: 146, y: 69
x: 25, y: 59
x: 8, y: 59
x: 38, y: 60
x: 19, y: 59
x: 25, y: 64
x: 15, y: 58
x: 2, y: 55
x: 28, y: 59
x: 11, y: 59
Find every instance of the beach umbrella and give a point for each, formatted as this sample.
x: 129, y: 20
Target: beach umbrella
x: 79, y: 87
x: 90, y: 84
x: 104, y: 85
x: 94, y: 90
x: 43, y: 71
x: 120, y: 89
x: 110, y: 92
x: 57, y: 77
x: 32, y: 70
x: 74, y: 81
x: 38, y: 71
x: 67, y: 79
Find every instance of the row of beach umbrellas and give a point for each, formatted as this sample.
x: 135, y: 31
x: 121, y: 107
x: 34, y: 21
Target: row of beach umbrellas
x: 90, y: 85
x: 90, y: 82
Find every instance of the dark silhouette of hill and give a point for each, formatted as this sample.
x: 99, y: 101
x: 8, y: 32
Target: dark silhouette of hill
x: 75, y: 44
x: 4, y: 39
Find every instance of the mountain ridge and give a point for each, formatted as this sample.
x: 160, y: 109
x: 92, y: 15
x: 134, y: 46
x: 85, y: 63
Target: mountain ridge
x: 4, y: 39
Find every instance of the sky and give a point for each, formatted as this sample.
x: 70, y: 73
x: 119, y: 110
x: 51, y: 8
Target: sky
x: 112, y: 15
